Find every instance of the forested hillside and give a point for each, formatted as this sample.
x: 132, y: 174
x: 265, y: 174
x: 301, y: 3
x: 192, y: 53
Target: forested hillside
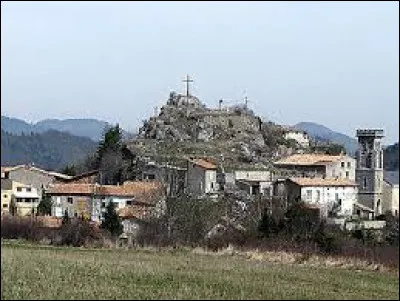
x: 49, y: 150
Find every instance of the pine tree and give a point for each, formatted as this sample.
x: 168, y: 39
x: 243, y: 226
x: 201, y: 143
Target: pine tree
x: 112, y: 221
x: 65, y: 218
x: 44, y: 207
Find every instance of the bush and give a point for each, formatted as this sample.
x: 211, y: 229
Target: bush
x: 77, y: 233
x: 13, y: 227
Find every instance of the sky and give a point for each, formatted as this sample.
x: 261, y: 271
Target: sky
x: 333, y: 63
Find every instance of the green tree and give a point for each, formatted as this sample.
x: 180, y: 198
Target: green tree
x: 13, y: 206
x: 44, y: 207
x: 69, y: 170
x: 65, y: 219
x: 112, y: 221
x: 110, y: 142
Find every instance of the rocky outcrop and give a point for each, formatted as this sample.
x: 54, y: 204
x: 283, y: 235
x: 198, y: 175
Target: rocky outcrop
x: 235, y: 133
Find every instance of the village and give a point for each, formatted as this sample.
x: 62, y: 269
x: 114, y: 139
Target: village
x: 343, y: 188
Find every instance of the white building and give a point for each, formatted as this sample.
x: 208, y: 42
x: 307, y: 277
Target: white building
x: 301, y: 137
x: 318, y: 165
x: 201, y: 177
x: 390, y: 193
x: 324, y: 193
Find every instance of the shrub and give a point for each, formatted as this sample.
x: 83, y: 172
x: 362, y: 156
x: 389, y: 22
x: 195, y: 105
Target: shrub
x: 13, y: 227
x: 77, y: 233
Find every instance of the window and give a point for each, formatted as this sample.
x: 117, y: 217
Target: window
x: 28, y: 189
x: 347, y: 174
x: 342, y: 163
x: 348, y: 164
x: 129, y: 203
x: 5, y: 205
x: 70, y: 200
x: 5, y: 196
x: 103, y: 204
x: 318, y: 197
x: 364, y: 182
x: 309, y: 194
x: 336, y: 196
x: 19, y: 189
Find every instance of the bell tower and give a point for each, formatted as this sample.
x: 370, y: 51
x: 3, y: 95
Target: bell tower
x: 369, y: 169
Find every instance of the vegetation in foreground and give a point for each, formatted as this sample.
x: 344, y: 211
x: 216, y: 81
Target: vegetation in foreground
x: 32, y: 272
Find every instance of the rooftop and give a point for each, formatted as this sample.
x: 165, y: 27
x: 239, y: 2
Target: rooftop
x: 204, y: 164
x: 322, y: 182
x: 145, y: 192
x: 309, y: 159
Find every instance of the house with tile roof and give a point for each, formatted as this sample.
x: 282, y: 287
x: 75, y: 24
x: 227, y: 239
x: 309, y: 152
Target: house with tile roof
x: 91, y: 200
x: 317, y: 165
x: 323, y: 193
x: 201, y: 177
x: 31, y: 175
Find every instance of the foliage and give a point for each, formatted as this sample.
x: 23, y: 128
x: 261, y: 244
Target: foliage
x: 69, y: 170
x: 76, y: 233
x: 49, y: 150
x: 65, y: 219
x: 392, y: 230
x: 112, y: 221
x: 45, y: 204
x: 329, y: 148
x: 13, y: 206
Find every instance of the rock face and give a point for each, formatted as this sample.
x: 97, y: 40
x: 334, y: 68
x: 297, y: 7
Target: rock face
x: 186, y: 126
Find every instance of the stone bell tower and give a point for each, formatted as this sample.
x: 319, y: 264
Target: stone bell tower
x: 369, y: 170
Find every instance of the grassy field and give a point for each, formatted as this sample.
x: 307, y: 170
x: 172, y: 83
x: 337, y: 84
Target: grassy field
x: 33, y: 272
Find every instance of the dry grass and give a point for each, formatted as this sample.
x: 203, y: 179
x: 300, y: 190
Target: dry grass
x: 34, y: 272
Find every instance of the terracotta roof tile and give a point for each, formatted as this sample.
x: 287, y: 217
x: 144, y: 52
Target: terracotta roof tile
x: 309, y: 159
x: 133, y: 211
x: 146, y: 192
x: 204, y: 164
x: 322, y: 182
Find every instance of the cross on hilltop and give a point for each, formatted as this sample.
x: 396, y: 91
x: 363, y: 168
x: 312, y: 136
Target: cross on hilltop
x: 187, y: 81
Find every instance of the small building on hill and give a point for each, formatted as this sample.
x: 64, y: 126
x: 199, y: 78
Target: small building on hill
x: 201, y: 177
x: 317, y: 165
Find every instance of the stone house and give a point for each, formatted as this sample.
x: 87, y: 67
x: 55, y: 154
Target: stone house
x: 324, y: 193
x: 201, y: 177
x: 301, y: 137
x: 36, y: 177
x: 317, y: 165
x: 91, y: 200
x: 390, y: 193
x: 254, y: 181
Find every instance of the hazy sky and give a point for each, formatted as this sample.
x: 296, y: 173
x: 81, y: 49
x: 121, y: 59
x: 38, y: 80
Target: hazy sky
x: 332, y: 63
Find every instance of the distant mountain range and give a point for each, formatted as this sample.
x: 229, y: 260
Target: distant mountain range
x: 51, y: 150
x: 91, y: 128
x: 322, y: 133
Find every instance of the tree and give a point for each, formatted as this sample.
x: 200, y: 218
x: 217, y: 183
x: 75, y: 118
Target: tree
x: 112, y: 221
x: 69, y: 170
x: 65, y: 219
x: 44, y: 207
x: 13, y: 206
x: 111, y: 141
